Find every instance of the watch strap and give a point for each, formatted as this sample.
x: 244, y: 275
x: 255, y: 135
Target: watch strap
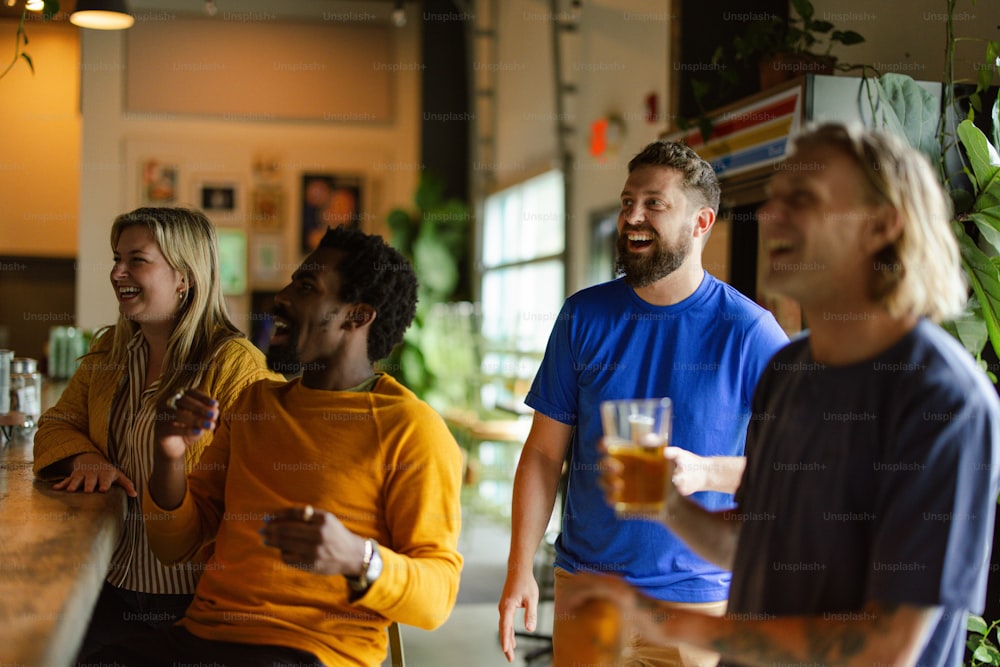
x: 360, y: 582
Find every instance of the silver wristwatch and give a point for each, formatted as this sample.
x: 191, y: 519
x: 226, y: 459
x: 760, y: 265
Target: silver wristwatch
x: 371, y: 568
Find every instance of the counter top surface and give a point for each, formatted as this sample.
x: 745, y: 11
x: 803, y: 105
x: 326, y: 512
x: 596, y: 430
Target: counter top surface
x: 54, y: 553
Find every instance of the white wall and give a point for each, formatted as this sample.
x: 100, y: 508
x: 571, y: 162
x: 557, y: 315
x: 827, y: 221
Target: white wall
x: 386, y: 154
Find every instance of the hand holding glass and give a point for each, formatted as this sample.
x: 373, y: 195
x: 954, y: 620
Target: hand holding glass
x: 636, y: 433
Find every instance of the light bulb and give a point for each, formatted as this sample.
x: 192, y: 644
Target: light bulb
x: 399, y: 15
x: 35, y: 5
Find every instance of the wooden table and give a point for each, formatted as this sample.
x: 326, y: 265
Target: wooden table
x: 54, y: 553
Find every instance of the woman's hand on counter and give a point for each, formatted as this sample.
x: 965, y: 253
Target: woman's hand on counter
x: 92, y: 472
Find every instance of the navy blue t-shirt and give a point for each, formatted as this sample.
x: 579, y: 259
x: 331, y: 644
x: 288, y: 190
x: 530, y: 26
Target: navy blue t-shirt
x: 706, y: 354
x: 872, y: 481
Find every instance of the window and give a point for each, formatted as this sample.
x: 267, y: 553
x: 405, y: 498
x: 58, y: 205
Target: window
x: 522, y: 284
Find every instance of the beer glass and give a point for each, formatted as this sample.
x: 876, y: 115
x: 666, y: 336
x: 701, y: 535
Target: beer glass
x: 636, y: 433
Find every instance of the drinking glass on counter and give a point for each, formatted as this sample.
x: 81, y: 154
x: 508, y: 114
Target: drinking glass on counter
x: 636, y: 433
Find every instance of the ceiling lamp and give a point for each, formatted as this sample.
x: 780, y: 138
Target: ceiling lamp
x: 398, y: 14
x: 102, y: 15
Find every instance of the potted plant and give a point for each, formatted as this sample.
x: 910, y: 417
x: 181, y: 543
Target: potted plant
x: 782, y: 50
x: 434, y: 237
x: 775, y: 50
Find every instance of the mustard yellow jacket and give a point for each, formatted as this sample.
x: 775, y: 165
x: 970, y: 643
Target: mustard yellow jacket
x: 80, y: 421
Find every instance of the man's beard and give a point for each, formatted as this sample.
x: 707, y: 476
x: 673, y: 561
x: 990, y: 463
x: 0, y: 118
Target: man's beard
x: 284, y: 358
x: 644, y: 270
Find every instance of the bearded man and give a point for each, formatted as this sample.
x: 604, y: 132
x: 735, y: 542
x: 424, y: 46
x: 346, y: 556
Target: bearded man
x: 664, y: 328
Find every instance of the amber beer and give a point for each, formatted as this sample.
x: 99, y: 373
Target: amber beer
x: 636, y: 434
x: 644, y: 476
x: 592, y: 637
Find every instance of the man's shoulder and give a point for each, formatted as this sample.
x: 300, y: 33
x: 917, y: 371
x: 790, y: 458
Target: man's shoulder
x: 390, y: 393
x: 599, y: 294
x: 732, y: 304
x: 935, y: 358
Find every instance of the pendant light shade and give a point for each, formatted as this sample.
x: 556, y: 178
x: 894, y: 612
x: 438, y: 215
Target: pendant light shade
x: 102, y: 15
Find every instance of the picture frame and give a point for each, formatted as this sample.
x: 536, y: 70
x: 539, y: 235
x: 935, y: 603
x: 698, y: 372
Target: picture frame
x: 158, y: 182
x: 267, y: 259
x: 232, y: 260
x: 328, y: 200
x: 267, y: 208
x: 220, y: 198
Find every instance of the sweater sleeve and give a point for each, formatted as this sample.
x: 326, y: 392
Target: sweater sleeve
x: 64, y: 429
x: 421, y: 568
x: 180, y: 534
x: 235, y: 366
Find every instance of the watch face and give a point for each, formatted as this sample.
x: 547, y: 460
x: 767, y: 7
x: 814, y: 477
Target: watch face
x: 374, y: 567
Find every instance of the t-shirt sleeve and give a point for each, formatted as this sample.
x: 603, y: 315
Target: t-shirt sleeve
x: 554, y: 390
x: 937, y: 503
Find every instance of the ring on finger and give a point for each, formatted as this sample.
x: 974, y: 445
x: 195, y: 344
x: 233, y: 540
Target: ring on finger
x: 307, y: 513
x: 172, y: 401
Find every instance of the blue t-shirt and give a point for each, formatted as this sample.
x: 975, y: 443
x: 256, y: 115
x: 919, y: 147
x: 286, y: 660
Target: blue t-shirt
x: 872, y: 481
x: 704, y: 353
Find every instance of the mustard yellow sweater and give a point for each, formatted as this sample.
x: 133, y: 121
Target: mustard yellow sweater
x: 382, y: 461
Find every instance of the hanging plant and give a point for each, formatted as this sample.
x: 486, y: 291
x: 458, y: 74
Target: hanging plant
x: 50, y: 7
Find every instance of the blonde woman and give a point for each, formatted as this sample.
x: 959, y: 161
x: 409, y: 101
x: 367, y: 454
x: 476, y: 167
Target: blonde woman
x: 173, y: 333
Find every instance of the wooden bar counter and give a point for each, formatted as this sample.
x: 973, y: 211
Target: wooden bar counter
x: 54, y: 553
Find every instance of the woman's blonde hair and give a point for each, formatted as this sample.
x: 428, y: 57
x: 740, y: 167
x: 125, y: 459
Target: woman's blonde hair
x: 188, y: 241
x: 920, y: 273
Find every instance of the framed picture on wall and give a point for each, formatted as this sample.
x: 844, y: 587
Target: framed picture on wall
x: 267, y: 208
x: 219, y: 198
x: 232, y: 260
x: 328, y: 200
x: 267, y: 259
x: 158, y: 182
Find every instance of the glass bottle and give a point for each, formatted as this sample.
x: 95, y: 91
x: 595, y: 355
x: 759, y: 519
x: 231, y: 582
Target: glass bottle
x: 26, y: 389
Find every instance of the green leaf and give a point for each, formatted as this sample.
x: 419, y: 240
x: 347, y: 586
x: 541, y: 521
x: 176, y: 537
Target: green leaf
x: 985, y: 282
x: 969, y: 328
x: 803, y: 8
x: 984, y: 161
x: 430, y: 191
x: 909, y: 110
x: 27, y: 59
x: 995, y: 117
x: 976, y: 624
x: 962, y: 201
x: 989, y: 228
x: 821, y: 27
x: 412, y: 369
x: 988, y: 654
x: 435, y: 265
x: 847, y: 37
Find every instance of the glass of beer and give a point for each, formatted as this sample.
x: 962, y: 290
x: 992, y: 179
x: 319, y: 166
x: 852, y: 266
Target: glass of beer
x: 636, y: 432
